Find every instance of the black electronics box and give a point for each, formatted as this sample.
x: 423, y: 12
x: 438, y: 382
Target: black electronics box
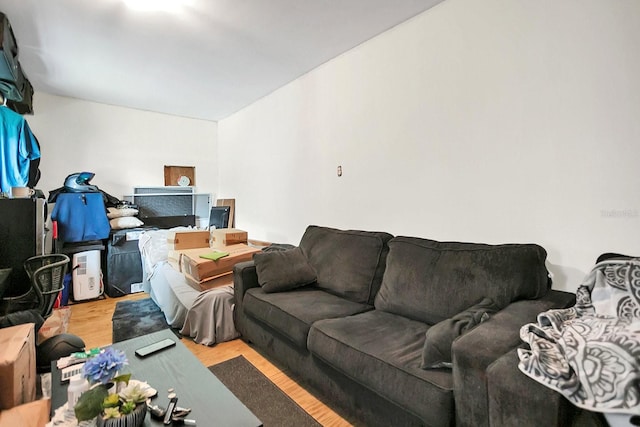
x: 122, y: 263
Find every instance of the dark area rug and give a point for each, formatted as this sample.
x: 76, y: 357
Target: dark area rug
x: 135, y: 318
x: 260, y: 395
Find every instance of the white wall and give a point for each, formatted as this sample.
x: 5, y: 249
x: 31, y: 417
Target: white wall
x: 494, y: 121
x: 124, y: 147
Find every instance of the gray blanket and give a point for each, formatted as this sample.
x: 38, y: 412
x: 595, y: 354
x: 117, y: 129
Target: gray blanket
x: 590, y: 353
x: 206, y: 316
x: 210, y: 319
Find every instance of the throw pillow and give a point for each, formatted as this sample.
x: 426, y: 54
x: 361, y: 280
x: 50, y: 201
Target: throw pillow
x: 436, y: 352
x: 120, y: 212
x: 125, y: 222
x: 283, y: 270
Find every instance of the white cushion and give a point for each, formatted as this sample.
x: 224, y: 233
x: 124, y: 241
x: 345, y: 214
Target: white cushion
x: 125, y: 222
x: 120, y: 212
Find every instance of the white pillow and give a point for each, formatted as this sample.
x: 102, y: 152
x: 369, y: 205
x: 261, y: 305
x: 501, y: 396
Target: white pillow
x: 120, y: 212
x: 125, y: 222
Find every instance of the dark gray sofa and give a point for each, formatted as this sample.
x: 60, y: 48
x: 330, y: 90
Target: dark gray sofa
x: 355, y: 331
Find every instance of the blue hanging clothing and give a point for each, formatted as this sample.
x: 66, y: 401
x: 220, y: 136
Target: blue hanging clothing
x: 81, y: 217
x: 18, y: 147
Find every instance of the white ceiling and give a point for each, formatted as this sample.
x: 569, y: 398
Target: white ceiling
x: 204, y: 59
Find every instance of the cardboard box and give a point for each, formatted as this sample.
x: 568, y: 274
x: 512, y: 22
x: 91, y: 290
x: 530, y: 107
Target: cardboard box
x: 211, y: 282
x: 17, y: 365
x: 189, y: 239
x: 32, y: 414
x: 174, y: 258
x: 227, y: 236
x: 200, y: 269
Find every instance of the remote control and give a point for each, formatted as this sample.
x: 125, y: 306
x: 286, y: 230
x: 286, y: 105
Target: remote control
x: 155, y: 347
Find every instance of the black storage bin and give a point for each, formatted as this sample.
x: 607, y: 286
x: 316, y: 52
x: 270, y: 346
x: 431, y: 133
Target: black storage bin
x: 123, y: 265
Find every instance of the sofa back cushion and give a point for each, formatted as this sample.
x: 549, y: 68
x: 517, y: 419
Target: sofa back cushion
x: 279, y: 271
x: 348, y: 263
x: 432, y: 281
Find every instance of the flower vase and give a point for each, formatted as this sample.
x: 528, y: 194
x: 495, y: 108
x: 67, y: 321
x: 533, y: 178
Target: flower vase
x: 133, y: 419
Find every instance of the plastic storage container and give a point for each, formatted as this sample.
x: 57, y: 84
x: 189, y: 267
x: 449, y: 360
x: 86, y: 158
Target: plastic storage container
x: 77, y: 386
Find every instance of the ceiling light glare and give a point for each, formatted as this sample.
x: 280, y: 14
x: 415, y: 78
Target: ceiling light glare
x: 156, y: 5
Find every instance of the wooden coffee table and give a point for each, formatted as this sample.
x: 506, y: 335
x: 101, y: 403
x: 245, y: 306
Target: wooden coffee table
x: 211, y: 403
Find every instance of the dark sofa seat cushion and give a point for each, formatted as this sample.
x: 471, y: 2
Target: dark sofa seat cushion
x: 383, y: 352
x: 292, y: 313
x: 348, y: 263
x: 432, y: 281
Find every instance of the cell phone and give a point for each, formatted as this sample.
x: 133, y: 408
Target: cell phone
x: 155, y: 347
x: 168, y: 416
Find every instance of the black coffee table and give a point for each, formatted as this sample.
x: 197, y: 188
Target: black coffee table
x: 211, y: 403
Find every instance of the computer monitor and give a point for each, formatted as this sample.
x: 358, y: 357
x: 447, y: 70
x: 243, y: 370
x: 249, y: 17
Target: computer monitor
x: 219, y: 217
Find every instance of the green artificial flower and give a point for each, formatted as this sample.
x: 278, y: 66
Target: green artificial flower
x: 127, y: 407
x: 111, y: 401
x: 111, y: 413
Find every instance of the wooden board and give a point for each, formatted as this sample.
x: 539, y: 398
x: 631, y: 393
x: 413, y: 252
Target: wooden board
x: 232, y: 204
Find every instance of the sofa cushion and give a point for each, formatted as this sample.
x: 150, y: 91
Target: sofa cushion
x: 437, y: 345
x: 292, y: 313
x: 283, y: 270
x: 432, y: 281
x: 348, y: 263
x: 383, y: 352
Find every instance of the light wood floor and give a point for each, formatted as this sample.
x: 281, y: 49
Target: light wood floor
x: 92, y: 322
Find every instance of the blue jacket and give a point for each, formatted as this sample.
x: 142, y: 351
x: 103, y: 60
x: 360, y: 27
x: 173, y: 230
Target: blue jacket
x: 81, y: 217
x: 18, y: 147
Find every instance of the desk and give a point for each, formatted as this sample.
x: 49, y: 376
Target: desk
x: 211, y: 403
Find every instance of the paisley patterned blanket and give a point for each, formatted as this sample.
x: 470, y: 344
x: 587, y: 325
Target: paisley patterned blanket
x: 590, y: 353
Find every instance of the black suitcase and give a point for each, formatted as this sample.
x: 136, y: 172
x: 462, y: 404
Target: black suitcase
x: 14, y: 84
x: 23, y: 86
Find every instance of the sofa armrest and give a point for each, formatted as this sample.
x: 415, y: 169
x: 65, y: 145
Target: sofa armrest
x: 516, y: 399
x: 244, y: 278
x: 474, y: 351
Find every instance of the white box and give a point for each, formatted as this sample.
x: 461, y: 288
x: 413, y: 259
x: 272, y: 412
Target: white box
x: 137, y: 287
x: 87, y: 275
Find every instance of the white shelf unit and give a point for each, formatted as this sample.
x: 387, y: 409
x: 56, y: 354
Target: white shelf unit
x: 171, y: 201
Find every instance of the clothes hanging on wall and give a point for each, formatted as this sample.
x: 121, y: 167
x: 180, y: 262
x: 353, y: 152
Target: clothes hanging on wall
x: 19, y: 152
